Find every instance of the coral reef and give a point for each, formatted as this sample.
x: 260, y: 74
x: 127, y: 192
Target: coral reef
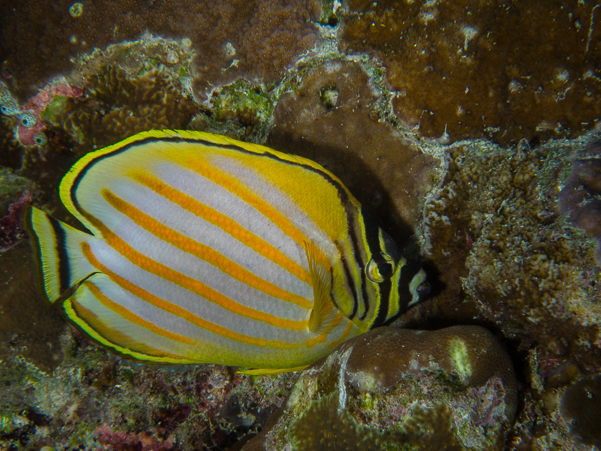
x: 400, y: 389
x: 581, y: 409
x: 232, y: 39
x: 494, y: 227
x: 468, y: 69
x: 94, y: 399
x: 379, y: 93
x: 508, y: 258
x: 579, y: 198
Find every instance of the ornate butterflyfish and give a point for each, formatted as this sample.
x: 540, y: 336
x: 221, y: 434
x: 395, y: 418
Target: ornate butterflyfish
x: 204, y: 249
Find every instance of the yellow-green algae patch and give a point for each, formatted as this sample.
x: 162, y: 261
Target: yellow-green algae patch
x: 460, y: 358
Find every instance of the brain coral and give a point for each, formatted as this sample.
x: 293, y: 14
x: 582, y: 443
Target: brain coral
x: 393, y: 388
x: 120, y: 104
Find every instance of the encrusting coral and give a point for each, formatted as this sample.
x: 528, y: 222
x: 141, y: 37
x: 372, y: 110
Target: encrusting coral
x: 495, y: 228
x: 581, y: 410
x: 471, y: 69
x: 579, y: 199
x: 231, y: 39
x: 400, y: 389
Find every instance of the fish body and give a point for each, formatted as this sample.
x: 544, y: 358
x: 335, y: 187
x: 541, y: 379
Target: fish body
x: 204, y: 249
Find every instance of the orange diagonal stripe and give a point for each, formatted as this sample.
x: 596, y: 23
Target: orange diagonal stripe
x: 190, y: 284
x: 202, y: 251
x: 177, y: 310
x: 128, y: 315
x: 223, y: 222
x: 113, y: 337
x: 235, y: 187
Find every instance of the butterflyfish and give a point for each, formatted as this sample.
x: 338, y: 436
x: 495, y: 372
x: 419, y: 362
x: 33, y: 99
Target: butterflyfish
x: 205, y: 249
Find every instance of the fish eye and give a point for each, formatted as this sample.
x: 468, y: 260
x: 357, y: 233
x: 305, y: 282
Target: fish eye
x: 380, y: 270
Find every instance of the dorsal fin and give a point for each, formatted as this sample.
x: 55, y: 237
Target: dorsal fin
x: 323, y: 308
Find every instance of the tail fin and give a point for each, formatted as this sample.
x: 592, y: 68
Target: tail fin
x: 61, y: 263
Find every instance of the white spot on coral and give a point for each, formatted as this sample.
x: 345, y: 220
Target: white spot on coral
x: 333, y: 66
x: 514, y: 87
x: 229, y: 49
x: 186, y: 44
x: 425, y: 17
x: 468, y: 33
x: 562, y: 75
x: 590, y: 29
x: 343, y: 360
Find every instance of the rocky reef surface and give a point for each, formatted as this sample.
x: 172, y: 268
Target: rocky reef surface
x: 400, y: 389
x: 469, y: 129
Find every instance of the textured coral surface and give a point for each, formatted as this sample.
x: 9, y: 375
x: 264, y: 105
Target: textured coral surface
x: 468, y: 128
x: 230, y: 39
x: 458, y: 379
x: 470, y: 68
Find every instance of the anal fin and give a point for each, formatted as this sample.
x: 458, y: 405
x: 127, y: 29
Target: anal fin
x: 271, y: 371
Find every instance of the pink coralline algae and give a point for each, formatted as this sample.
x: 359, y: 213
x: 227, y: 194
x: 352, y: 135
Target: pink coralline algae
x: 11, y: 225
x: 30, y: 129
x: 115, y: 440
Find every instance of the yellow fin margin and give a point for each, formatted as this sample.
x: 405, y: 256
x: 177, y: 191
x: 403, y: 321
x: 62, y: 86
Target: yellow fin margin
x: 272, y: 371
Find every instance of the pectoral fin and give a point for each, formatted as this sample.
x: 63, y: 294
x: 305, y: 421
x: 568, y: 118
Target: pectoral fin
x: 323, y: 312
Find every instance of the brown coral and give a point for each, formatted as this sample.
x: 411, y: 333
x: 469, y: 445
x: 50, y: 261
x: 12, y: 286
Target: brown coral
x: 121, y: 105
x: 470, y: 69
x: 470, y: 353
x: 396, y: 389
x: 579, y: 198
x: 256, y: 39
x: 581, y: 410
